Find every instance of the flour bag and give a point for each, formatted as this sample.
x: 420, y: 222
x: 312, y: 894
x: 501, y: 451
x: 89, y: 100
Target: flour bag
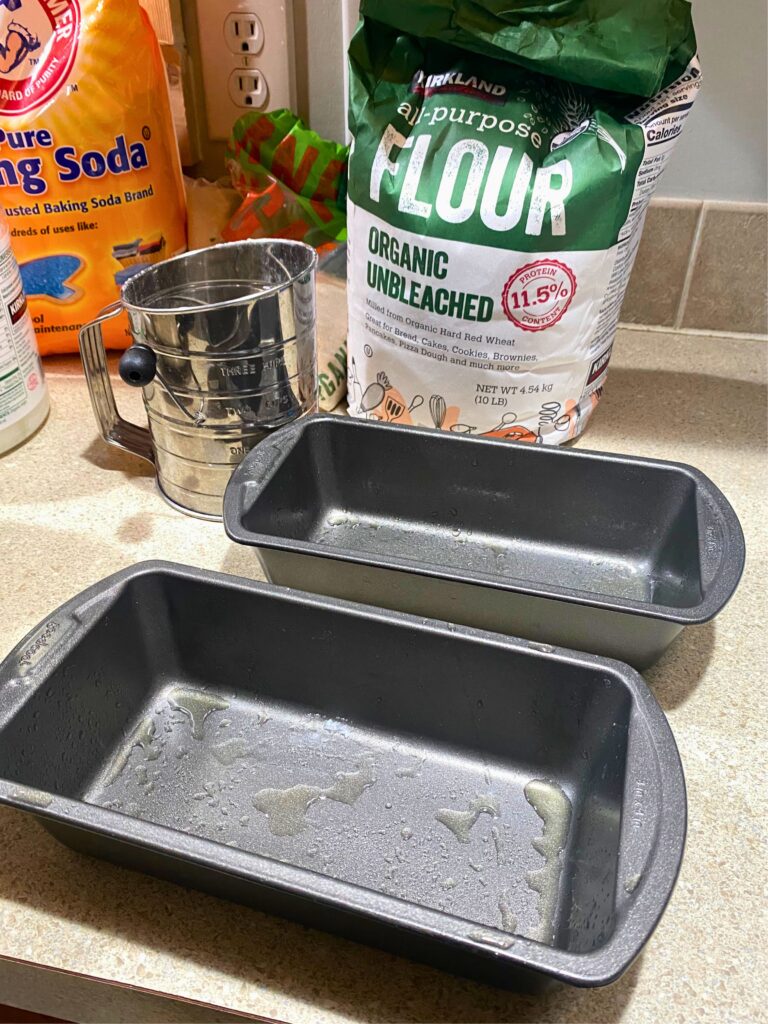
x: 89, y: 168
x: 504, y: 153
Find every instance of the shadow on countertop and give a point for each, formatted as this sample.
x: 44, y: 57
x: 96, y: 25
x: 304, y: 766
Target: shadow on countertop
x: 674, y: 678
x: 116, y: 460
x: 329, y: 974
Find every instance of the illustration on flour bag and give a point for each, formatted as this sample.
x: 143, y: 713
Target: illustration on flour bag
x: 89, y: 168
x: 500, y: 170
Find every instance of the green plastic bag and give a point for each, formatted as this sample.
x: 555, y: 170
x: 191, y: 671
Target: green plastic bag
x: 626, y: 46
x: 504, y: 155
x: 293, y: 181
x: 293, y: 184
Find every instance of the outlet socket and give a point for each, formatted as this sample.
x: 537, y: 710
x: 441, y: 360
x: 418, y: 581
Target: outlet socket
x: 244, y: 33
x: 248, y: 89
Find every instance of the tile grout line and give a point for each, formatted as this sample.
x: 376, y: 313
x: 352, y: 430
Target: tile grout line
x: 696, y: 332
x: 690, y: 269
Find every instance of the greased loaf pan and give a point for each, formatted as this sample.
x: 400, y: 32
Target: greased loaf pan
x: 603, y: 553
x: 514, y: 814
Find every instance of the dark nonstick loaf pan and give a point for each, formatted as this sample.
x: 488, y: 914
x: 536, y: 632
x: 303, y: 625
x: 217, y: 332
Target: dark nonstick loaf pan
x: 603, y: 553
x: 464, y: 798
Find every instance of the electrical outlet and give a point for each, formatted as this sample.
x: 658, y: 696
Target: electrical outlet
x: 248, y: 89
x: 257, y: 77
x: 244, y: 33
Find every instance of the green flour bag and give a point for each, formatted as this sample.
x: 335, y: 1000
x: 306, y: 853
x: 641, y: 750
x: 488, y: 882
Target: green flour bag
x: 503, y: 158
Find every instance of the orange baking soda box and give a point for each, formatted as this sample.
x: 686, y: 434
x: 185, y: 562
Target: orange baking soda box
x: 89, y: 168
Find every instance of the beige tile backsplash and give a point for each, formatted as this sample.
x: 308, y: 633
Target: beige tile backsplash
x: 729, y: 280
x: 701, y: 265
x: 661, y: 266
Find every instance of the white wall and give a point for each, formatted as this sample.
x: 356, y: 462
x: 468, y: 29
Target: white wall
x: 722, y: 152
x: 720, y: 155
x: 320, y: 61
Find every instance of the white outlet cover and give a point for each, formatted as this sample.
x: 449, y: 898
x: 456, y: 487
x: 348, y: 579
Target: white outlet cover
x: 221, y: 63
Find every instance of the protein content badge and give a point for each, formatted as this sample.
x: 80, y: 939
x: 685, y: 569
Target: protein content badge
x: 537, y: 295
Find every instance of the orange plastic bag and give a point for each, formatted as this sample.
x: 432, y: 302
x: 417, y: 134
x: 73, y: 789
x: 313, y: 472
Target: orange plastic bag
x: 89, y: 168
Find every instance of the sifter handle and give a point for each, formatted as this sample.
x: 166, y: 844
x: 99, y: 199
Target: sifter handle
x: 114, y: 429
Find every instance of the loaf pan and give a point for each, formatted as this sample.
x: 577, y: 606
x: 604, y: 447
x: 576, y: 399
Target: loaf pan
x: 514, y: 814
x: 603, y: 553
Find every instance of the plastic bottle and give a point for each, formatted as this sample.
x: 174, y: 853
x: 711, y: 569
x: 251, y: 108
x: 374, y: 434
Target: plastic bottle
x: 23, y: 393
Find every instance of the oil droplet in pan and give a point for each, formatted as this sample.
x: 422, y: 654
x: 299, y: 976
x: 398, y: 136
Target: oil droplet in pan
x: 32, y: 796
x: 492, y: 939
x: 231, y: 750
x: 410, y: 771
x: 508, y: 919
x: 144, y: 736
x: 337, y: 518
x: 461, y: 823
x: 498, y: 842
x: 286, y: 808
x: 197, y: 705
x: 350, y: 786
x: 554, y: 808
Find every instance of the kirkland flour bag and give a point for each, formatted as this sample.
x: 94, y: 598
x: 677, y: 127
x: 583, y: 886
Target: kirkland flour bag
x: 89, y: 169
x: 504, y: 154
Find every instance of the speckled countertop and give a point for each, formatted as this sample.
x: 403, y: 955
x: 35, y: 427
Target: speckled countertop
x: 73, y: 510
